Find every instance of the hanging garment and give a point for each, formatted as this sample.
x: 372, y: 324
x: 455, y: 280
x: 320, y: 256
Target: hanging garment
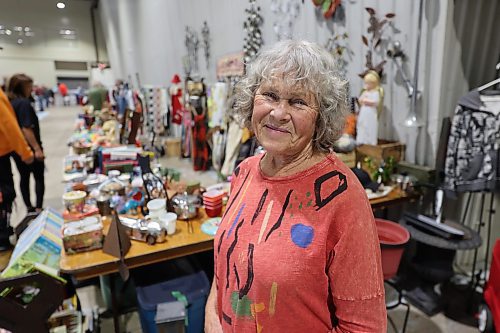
x: 187, y: 124
x: 136, y: 121
x: 217, y: 108
x: 233, y: 140
x: 176, y: 96
x: 472, y: 153
x: 200, y: 147
x: 367, y: 123
x: 218, y: 145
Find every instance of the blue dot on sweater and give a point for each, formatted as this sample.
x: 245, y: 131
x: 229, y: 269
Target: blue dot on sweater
x: 302, y: 235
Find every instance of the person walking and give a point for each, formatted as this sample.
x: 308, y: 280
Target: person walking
x: 19, y: 90
x: 63, y: 90
x: 11, y: 140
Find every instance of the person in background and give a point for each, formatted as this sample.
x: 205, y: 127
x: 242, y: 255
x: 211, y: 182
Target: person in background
x: 11, y: 140
x: 63, y: 90
x: 19, y: 90
x: 39, y: 97
x: 45, y: 96
x: 297, y: 249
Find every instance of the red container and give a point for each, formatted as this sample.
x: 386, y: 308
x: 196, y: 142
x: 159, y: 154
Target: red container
x: 213, y: 212
x: 213, y: 197
x: 393, y: 239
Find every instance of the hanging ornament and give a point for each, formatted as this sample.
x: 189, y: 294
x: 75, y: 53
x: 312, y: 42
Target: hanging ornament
x: 192, y: 42
x: 253, y: 40
x: 287, y: 12
x: 205, y: 33
x: 328, y: 7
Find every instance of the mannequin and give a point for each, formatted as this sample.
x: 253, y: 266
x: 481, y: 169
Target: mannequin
x: 371, y: 103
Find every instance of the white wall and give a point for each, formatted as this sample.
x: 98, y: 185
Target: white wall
x: 147, y: 37
x: 36, y: 55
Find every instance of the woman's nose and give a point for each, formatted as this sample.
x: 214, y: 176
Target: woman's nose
x: 280, y: 111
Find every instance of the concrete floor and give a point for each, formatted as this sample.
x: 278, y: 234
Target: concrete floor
x: 56, y: 127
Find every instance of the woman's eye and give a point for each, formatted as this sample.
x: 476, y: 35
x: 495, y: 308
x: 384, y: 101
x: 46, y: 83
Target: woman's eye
x: 270, y: 95
x: 298, y: 102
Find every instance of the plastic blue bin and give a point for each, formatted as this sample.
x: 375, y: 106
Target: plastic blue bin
x: 194, y: 286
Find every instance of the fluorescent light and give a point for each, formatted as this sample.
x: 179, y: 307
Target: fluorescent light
x: 61, y: 5
x: 67, y: 32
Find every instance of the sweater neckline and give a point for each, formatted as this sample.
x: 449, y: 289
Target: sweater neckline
x: 328, y: 160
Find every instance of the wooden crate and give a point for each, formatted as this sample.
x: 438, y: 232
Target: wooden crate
x: 382, y: 151
x: 348, y: 158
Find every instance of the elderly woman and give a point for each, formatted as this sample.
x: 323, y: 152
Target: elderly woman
x: 297, y: 249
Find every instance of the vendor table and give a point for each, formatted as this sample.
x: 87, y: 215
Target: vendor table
x: 395, y: 197
x: 94, y: 263
x: 188, y: 239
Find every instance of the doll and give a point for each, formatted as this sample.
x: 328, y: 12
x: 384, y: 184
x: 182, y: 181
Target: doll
x: 370, y: 105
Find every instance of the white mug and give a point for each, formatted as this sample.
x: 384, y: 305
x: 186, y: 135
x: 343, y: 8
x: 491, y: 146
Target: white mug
x: 169, y: 221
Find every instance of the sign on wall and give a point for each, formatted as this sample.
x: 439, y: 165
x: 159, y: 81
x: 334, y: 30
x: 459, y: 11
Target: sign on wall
x: 230, y: 65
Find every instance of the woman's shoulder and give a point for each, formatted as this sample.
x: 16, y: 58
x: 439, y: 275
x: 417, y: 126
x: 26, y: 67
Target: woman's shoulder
x: 353, y: 186
x: 21, y: 103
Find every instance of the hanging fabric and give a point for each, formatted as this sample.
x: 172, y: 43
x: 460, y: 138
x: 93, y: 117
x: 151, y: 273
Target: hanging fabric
x: 218, y: 145
x: 187, y: 124
x: 233, y: 140
x: 200, y: 147
x: 472, y: 153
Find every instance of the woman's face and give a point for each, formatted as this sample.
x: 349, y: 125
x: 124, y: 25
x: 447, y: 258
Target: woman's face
x: 284, y: 118
x: 28, y: 88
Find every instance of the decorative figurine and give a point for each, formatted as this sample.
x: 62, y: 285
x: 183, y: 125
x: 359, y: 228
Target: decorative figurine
x: 175, y: 92
x: 371, y: 103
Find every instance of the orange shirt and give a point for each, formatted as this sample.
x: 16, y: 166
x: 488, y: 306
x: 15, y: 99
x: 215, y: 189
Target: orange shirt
x: 11, y: 137
x: 299, y: 253
x: 63, y: 89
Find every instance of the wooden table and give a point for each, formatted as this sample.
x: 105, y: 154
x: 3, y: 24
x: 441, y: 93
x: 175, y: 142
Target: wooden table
x: 395, y: 197
x: 91, y: 264
x: 94, y: 263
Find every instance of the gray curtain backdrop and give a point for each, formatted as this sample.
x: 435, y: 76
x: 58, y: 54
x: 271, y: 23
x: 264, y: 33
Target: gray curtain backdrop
x: 459, y: 49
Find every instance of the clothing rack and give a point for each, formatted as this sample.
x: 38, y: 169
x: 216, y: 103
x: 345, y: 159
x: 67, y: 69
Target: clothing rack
x: 488, y: 220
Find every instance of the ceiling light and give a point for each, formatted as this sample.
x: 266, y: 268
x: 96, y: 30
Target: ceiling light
x: 26, y: 29
x: 17, y: 28
x: 19, y: 41
x: 8, y: 32
x: 61, y: 5
x: 29, y: 34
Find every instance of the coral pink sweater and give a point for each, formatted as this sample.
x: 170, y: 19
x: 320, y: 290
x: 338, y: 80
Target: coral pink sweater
x: 299, y: 253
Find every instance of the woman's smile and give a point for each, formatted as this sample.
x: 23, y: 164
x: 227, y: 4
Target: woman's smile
x: 274, y: 130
